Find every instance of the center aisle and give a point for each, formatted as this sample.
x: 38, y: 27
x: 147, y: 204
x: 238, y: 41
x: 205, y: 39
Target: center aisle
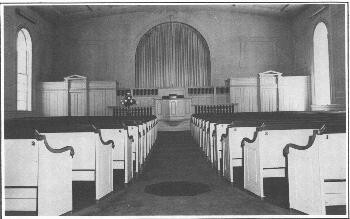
x: 176, y: 158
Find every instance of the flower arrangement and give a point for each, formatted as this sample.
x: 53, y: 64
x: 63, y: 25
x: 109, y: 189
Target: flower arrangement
x: 128, y: 100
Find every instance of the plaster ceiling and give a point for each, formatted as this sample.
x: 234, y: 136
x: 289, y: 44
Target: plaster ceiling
x: 71, y: 13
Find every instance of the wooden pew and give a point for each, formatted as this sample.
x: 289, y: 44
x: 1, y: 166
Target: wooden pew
x: 243, y: 125
x: 38, y: 173
x: 232, y: 152
x: 92, y: 165
x: 317, y: 170
x: 117, y: 130
x: 142, y: 147
x: 89, y: 133
x: 132, y: 132
x: 263, y: 158
x: 139, y: 131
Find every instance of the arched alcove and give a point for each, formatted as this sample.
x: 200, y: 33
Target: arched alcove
x: 172, y: 54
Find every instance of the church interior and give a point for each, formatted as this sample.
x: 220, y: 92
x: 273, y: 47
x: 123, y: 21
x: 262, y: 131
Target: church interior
x: 184, y: 110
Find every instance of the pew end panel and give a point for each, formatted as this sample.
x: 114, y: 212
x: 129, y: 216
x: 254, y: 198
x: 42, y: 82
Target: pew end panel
x: 21, y: 174
x: 122, y: 159
x: 234, y: 155
x: 55, y: 182
x: 220, y: 130
x: 133, y: 131
x: 253, y: 168
x: 104, y: 164
x: 141, y: 145
x: 317, y: 175
x: 119, y: 150
x: 211, y: 141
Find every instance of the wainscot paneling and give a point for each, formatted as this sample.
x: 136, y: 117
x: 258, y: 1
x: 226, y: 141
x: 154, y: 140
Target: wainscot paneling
x: 101, y: 95
x: 53, y: 98
x: 270, y: 92
x: 243, y: 91
x: 77, y: 97
x: 294, y: 93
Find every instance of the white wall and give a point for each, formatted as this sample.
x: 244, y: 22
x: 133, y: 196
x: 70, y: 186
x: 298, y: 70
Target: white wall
x: 240, y: 44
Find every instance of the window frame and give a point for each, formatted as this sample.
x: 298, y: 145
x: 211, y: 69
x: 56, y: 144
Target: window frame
x: 315, y: 99
x: 27, y: 102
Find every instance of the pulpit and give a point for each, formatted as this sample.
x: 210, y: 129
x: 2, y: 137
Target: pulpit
x: 173, y: 108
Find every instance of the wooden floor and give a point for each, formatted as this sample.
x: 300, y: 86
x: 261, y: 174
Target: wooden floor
x: 177, y: 159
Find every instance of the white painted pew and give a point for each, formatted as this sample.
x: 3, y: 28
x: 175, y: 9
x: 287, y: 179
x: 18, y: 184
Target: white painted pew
x: 197, y: 130
x: 317, y: 173
x: 220, y: 129
x: 149, y: 137
x: 263, y: 156
x: 192, y: 125
x: 206, y: 139
x: 145, y: 142
x: 93, y: 159
x: 232, y: 150
x: 133, y: 133
x: 122, y: 155
x: 38, y: 176
x: 200, y: 134
x: 141, y: 144
x: 211, y: 142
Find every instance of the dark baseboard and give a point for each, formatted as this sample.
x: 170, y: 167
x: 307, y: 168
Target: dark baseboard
x: 21, y: 213
x: 336, y: 210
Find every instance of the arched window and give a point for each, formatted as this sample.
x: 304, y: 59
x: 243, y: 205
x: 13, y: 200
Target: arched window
x: 24, y: 70
x: 322, y: 93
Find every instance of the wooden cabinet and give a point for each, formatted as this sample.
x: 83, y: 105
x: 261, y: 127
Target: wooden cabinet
x: 173, y: 109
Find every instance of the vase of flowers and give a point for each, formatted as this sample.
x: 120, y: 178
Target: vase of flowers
x: 128, y: 101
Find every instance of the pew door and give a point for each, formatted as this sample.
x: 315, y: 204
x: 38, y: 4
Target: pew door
x: 252, y: 168
x: 303, y: 177
x: 54, y: 182
x: 133, y: 131
x: 220, y: 130
x: 225, y: 156
x: 123, y: 140
x: 234, y: 156
x: 148, y: 134
x: 21, y: 174
x: 129, y: 172
x: 141, y: 149
x: 211, y: 143
x: 333, y: 168
x: 104, y: 165
x: 206, y: 140
x: 119, y: 150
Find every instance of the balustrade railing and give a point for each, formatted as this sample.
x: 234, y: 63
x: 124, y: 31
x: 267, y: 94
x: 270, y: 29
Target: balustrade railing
x: 132, y: 111
x: 215, y: 109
